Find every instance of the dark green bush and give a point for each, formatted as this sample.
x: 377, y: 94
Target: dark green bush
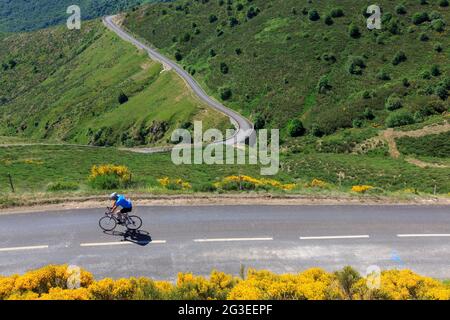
x: 420, y: 17
x: 62, y: 186
x: 122, y: 98
x: 337, y: 13
x: 353, y: 31
x: 399, y: 57
x: 400, y: 9
x: 355, y: 65
x: 393, y: 102
x: 399, y: 118
x: 295, y: 128
x: 225, y: 93
x: 313, y: 15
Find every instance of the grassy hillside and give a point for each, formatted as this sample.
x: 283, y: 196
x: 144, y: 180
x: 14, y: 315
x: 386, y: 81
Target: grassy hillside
x: 26, y: 15
x: 65, y: 85
x: 314, y: 61
x: 34, y: 167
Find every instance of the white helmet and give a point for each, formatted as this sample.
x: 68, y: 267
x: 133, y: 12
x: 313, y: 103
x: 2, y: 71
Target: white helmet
x: 113, y: 196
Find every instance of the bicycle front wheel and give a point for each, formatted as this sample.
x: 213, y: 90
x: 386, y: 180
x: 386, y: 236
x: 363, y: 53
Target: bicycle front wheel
x: 134, y: 223
x: 108, y: 223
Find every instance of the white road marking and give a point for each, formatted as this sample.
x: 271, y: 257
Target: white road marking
x: 233, y: 239
x: 103, y: 244
x: 335, y: 237
x: 23, y: 248
x: 423, y: 235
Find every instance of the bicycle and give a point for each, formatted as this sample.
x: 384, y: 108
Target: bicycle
x: 110, y: 221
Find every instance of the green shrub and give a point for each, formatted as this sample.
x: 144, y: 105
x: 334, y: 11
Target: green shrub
x: 443, y: 3
x: 399, y: 118
x: 62, y: 186
x: 353, y: 31
x: 108, y: 182
x: 393, y: 103
x: 296, y: 128
x: 337, y: 13
x: 204, y: 187
x: 438, y: 25
x: 423, y: 37
x: 313, y: 15
x: 383, y: 75
x: 122, y: 98
x: 369, y: 114
x: 400, y: 9
x: 441, y: 92
x: 225, y: 93
x: 355, y: 65
x: 399, y: 57
x: 323, y: 85
x: 420, y: 17
x: 435, y: 70
x: 328, y: 20
x: 438, y: 47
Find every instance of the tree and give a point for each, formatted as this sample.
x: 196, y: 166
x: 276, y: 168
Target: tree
x: 296, y: 128
x: 400, y: 9
x: 355, y: 65
x: 337, y: 13
x: 328, y: 20
x: 443, y: 3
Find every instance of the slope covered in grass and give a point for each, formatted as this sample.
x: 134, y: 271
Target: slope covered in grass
x: 26, y: 15
x: 65, y: 85
x: 314, y: 61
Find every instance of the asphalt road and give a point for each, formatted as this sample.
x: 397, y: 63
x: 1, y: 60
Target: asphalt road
x: 199, y: 239
x: 244, y: 127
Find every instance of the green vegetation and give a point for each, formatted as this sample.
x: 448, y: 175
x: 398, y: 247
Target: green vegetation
x: 431, y: 146
x: 26, y: 15
x: 33, y: 168
x: 92, y: 88
x: 288, y: 50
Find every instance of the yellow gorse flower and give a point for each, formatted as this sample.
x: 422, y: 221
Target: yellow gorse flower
x: 106, y: 169
x: 166, y: 182
x: 264, y: 182
x: 361, y: 189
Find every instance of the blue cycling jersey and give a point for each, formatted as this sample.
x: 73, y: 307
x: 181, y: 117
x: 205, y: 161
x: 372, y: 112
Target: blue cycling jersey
x: 123, y: 202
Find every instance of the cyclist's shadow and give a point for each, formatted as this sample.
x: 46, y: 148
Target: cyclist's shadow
x: 139, y: 237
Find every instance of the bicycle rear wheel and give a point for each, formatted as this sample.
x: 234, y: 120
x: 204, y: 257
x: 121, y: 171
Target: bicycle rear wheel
x: 108, y: 223
x: 133, y: 222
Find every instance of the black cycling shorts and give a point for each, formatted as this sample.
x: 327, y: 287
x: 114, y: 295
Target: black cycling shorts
x: 126, y: 210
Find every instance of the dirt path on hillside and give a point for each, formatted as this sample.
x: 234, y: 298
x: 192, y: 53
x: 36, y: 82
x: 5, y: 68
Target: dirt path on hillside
x: 390, y: 135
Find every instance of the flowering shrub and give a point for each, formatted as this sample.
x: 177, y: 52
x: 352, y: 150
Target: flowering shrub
x: 249, y: 183
x: 361, y: 189
x: 109, y: 176
x: 50, y: 283
x: 317, y: 183
x: 174, y: 184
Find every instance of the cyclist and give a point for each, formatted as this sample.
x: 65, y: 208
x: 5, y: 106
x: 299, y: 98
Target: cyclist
x: 120, y: 201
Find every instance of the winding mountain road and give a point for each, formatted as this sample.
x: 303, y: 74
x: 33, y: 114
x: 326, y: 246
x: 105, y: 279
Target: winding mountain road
x: 200, y: 238
x: 244, y: 127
